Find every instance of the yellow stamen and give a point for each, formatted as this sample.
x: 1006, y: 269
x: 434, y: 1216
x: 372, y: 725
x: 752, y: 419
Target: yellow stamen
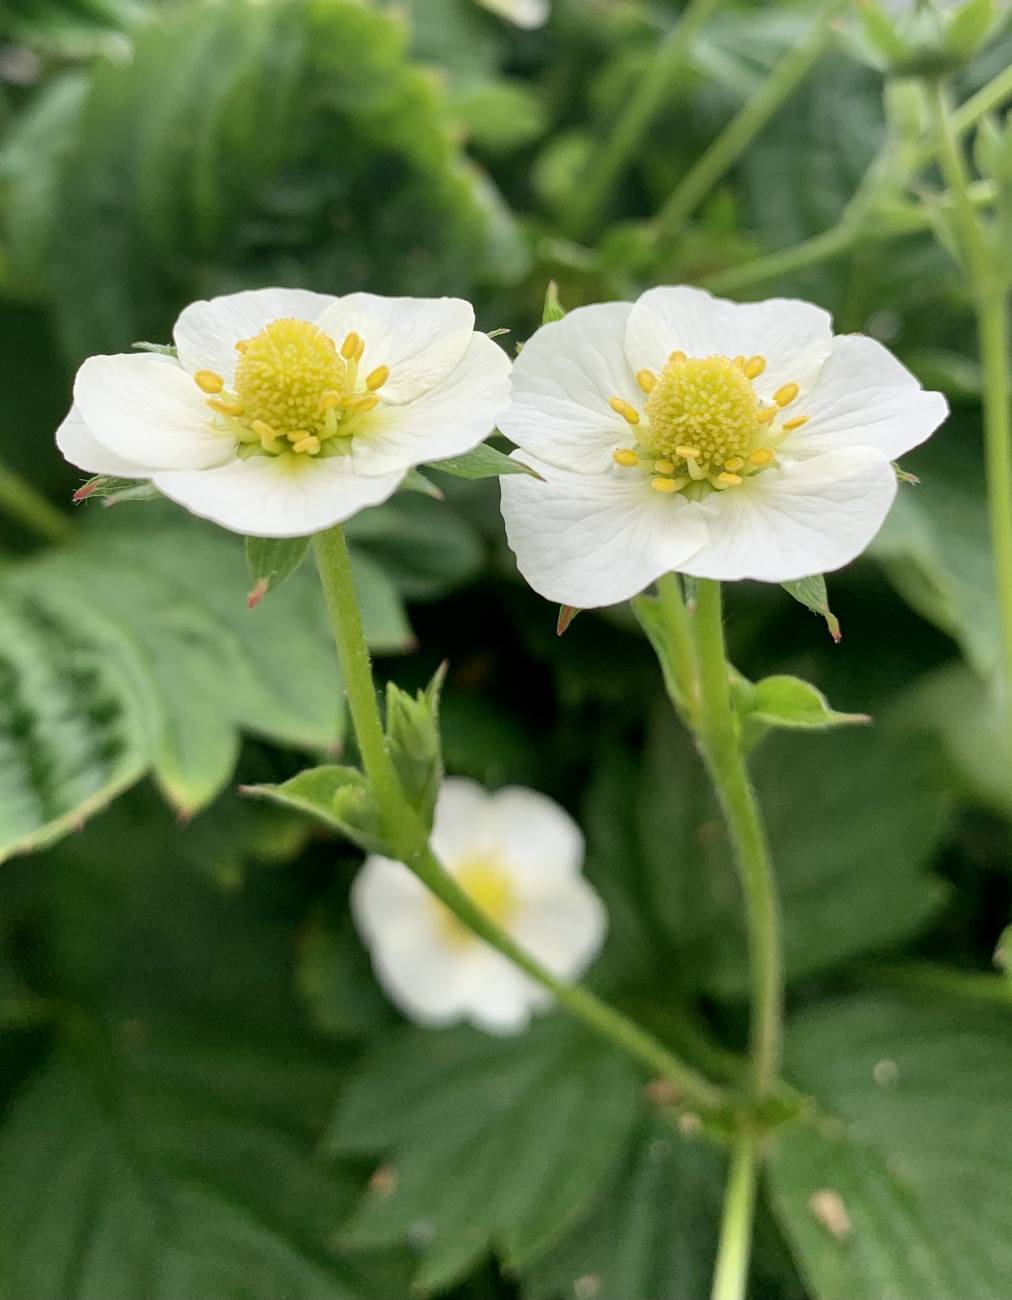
x: 677, y: 357
x: 761, y: 456
x: 687, y: 453
x: 265, y: 433
x: 360, y: 350
x: 626, y: 457
x: 296, y: 435
x: 754, y: 367
x: 225, y: 408
x: 796, y: 423
x: 786, y: 394
x: 209, y: 381
x: 769, y: 414
x: 739, y: 362
x: 730, y: 480
x: 362, y: 404
x: 242, y: 345
x: 664, y: 466
x: 696, y: 471
x: 646, y: 379
x: 734, y: 464
x: 329, y: 399
x: 350, y: 346
x: 664, y: 485
x: 623, y: 408
x: 377, y: 378
x: 310, y: 443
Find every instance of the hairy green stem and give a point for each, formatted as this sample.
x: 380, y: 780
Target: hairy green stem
x: 721, y: 744
x: 735, y: 1242
x: 653, y: 89
x: 683, y: 651
x: 409, y: 839
x: 743, y: 128
x: 988, y: 285
x: 20, y: 500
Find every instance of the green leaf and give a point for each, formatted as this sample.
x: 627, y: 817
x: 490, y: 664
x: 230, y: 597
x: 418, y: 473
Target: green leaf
x: 333, y: 977
x: 494, y: 1144
x: 414, y: 743
x: 383, y: 614
x: 339, y: 796
x: 898, y: 1186
x: 484, y: 461
x: 811, y: 592
x: 499, y: 117
x: 112, y: 490
x: 651, y: 1233
x: 271, y: 560
x: 783, y: 701
x: 553, y: 309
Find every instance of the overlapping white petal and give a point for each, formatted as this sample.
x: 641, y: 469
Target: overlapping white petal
x: 437, y: 976
x: 272, y: 496
x: 590, y: 540
x: 450, y: 418
x: 439, y: 393
x: 562, y: 381
x: 595, y: 533
x: 865, y: 397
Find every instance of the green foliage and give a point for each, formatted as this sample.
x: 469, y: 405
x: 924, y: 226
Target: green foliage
x: 271, y: 560
x: 414, y: 744
x: 910, y: 1144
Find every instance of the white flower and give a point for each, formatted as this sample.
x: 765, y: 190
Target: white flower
x: 519, y: 856
x: 523, y: 13
x: 684, y: 432
x: 288, y: 411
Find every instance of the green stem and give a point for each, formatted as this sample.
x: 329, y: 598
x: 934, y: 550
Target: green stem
x: 734, y: 1246
x: 680, y: 643
x: 22, y: 501
x: 722, y: 751
x: 743, y: 128
x: 409, y: 839
x: 990, y: 296
x: 652, y: 91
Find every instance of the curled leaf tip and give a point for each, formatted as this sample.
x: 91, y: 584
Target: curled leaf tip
x: 566, y: 615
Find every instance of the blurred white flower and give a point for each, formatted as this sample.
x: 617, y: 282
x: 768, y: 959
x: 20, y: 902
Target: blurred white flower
x: 286, y: 410
x: 684, y: 432
x: 523, y: 13
x: 519, y: 856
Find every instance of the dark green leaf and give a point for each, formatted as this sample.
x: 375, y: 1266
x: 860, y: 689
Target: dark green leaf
x: 339, y: 796
x: 271, y: 560
x: 484, y: 461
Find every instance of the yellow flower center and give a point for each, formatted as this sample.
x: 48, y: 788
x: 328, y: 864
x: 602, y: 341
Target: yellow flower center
x: 296, y: 393
x: 283, y: 372
x: 487, y: 883
x: 705, y: 426
x: 707, y: 404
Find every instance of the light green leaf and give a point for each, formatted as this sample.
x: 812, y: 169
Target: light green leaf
x: 811, y: 592
x: 271, y: 560
x: 651, y: 1233
x: 783, y: 701
x: 496, y: 1144
x: 339, y: 796
x: 898, y: 1186
x: 484, y: 461
x: 499, y: 116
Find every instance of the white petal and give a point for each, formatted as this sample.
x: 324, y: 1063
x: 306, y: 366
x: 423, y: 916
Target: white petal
x: 456, y: 415
x: 792, y: 335
x: 865, y: 397
x: 207, y: 331
x: 148, y: 410
x: 523, y: 13
x: 808, y: 517
x: 80, y: 446
x: 420, y: 339
x: 501, y: 997
x: 589, y: 540
x: 462, y: 825
x: 566, y: 930
x: 562, y: 380
x: 277, y: 496
x: 538, y: 840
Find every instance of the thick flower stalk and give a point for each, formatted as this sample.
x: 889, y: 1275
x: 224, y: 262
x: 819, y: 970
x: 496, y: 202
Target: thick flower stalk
x: 722, y: 440
x: 285, y: 411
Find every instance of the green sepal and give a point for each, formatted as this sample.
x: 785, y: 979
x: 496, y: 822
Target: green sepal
x: 553, y: 310
x: 811, y: 592
x: 271, y: 560
x: 160, y: 349
x: 339, y: 796
x: 412, y: 729
x: 415, y: 481
x: 650, y: 616
x: 482, y: 461
x: 112, y: 490
x: 783, y: 701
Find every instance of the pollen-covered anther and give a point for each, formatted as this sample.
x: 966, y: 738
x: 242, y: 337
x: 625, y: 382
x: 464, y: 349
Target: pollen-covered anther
x: 789, y: 425
x: 677, y: 357
x: 761, y: 456
x: 786, y: 394
x: 349, y: 348
x: 768, y: 415
x: 366, y: 402
x: 688, y: 453
x: 754, y: 367
x: 664, y: 466
x: 309, y: 444
x: 664, y: 484
x: 627, y: 411
x: 734, y: 464
x: 268, y: 437
x: 377, y: 378
x: 329, y: 400
x: 626, y: 457
x: 225, y: 407
x: 646, y: 379
x: 209, y: 382
x: 726, y: 479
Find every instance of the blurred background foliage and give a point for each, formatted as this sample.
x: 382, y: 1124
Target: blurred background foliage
x: 204, y: 1092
